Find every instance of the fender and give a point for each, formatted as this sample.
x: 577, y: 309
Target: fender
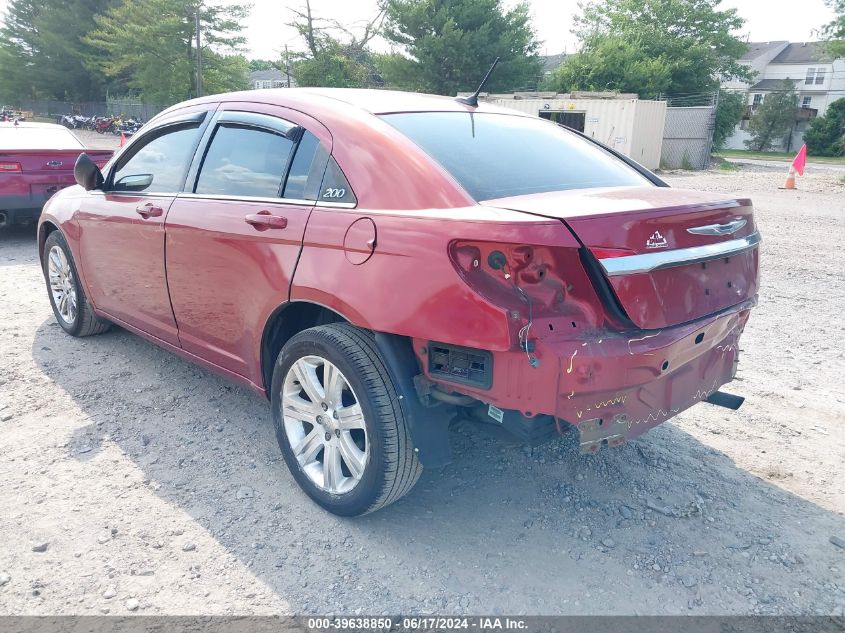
x: 70, y: 231
x: 429, y: 427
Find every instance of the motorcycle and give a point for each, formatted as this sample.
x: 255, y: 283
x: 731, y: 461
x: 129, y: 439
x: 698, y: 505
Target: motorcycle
x: 103, y: 124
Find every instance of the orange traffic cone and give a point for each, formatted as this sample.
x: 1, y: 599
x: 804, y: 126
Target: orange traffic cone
x: 123, y: 142
x: 790, y: 179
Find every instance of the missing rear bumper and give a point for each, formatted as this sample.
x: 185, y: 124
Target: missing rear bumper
x: 600, y: 432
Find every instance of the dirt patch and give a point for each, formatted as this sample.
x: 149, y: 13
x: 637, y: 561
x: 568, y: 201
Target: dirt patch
x: 135, y: 482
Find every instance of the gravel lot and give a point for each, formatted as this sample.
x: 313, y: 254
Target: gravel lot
x: 132, y: 481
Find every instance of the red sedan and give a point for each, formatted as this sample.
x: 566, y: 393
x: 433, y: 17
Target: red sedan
x: 375, y: 262
x: 36, y: 160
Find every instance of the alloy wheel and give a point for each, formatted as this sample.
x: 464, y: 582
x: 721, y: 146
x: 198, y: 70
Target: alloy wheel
x: 62, y: 286
x: 324, y: 425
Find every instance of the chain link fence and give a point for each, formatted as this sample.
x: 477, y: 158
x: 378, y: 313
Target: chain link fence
x: 56, y: 109
x: 688, y: 133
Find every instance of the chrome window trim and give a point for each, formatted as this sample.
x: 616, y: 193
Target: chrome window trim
x: 140, y: 194
x: 224, y: 197
x: 291, y: 201
x: 659, y: 260
x: 337, y: 205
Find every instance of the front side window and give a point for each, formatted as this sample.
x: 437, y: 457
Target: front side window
x: 244, y: 161
x: 500, y: 155
x: 160, y: 164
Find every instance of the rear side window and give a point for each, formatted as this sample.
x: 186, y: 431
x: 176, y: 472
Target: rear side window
x: 160, y: 164
x: 499, y: 155
x: 244, y: 161
x: 306, y: 170
x: 335, y: 187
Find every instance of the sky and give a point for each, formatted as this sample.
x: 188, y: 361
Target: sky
x: 267, y: 31
x: 765, y: 20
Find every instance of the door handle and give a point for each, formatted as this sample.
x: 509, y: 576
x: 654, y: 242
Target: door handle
x: 264, y: 220
x: 149, y: 210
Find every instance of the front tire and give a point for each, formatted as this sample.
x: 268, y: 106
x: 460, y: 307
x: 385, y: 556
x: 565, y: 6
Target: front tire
x: 70, y: 305
x: 338, y: 421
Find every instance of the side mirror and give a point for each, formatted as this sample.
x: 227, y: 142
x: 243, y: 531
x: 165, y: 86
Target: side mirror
x: 87, y: 174
x: 134, y: 182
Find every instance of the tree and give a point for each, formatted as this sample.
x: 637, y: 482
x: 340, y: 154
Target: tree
x: 335, y: 55
x: 262, y: 64
x: 650, y: 47
x: 149, y: 46
x: 18, y: 49
x: 826, y: 135
x: 834, y: 31
x: 42, y: 52
x: 773, y: 121
x: 729, y: 112
x: 448, y: 45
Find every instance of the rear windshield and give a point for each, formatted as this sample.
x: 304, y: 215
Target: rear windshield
x: 23, y: 137
x: 499, y: 155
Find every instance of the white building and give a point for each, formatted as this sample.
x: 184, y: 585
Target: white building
x: 624, y: 122
x: 273, y: 78
x: 819, y: 80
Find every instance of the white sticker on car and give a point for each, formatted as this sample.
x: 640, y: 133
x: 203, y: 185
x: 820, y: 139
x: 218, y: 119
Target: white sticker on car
x: 496, y: 413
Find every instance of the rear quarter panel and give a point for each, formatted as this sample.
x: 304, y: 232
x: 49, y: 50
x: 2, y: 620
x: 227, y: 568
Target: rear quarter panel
x: 409, y: 285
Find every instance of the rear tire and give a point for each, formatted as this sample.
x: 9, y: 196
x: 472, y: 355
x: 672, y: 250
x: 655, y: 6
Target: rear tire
x: 70, y: 305
x: 377, y: 463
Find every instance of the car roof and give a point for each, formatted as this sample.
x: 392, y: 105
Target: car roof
x: 388, y: 101
x: 317, y: 100
x: 37, y: 136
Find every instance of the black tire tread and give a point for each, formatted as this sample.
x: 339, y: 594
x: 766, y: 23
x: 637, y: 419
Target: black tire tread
x: 402, y: 467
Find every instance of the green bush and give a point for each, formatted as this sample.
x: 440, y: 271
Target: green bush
x: 826, y: 135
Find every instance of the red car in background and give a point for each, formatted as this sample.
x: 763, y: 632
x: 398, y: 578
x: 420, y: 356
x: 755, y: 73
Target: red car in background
x: 375, y: 262
x: 36, y: 160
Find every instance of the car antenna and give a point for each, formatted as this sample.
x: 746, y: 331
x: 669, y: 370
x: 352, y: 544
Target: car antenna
x: 472, y: 100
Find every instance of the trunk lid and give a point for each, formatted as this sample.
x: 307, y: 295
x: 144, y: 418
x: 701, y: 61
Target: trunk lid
x: 31, y: 177
x: 50, y: 161
x: 670, y: 255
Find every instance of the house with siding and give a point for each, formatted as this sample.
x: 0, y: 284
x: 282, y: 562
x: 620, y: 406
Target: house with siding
x: 273, y: 78
x: 819, y: 80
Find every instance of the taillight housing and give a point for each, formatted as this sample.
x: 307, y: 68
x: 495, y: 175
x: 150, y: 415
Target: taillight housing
x: 547, y: 283
x: 606, y: 252
x: 10, y: 168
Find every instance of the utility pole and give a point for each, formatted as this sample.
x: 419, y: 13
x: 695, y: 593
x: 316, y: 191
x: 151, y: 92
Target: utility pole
x: 287, y: 65
x: 199, y: 53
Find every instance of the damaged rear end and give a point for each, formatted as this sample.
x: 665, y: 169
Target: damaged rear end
x: 673, y: 275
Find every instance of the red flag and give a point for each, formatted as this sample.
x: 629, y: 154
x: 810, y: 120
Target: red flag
x: 800, y: 160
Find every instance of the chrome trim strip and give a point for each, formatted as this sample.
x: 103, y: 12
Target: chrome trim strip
x: 648, y: 262
x: 141, y: 194
x: 719, y: 229
x: 220, y: 196
x: 336, y: 205
x: 292, y: 201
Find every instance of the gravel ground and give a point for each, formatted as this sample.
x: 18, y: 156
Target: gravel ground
x: 132, y: 481
x: 93, y: 140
